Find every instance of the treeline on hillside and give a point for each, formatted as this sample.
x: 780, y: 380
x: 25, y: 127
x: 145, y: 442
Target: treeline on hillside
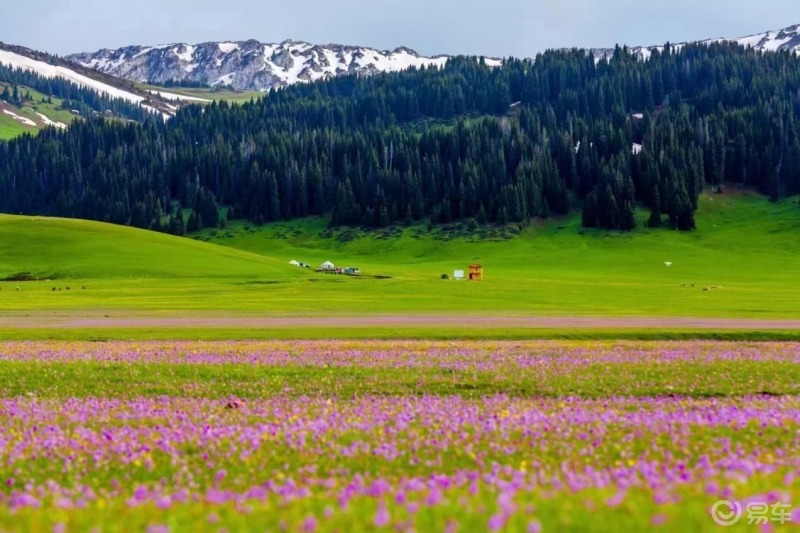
x: 528, y: 139
x: 86, y: 101
x: 186, y: 84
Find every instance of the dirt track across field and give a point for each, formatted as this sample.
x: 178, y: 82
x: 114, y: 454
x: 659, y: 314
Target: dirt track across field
x: 123, y: 321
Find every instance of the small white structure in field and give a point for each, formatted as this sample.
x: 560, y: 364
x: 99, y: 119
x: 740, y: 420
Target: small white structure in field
x: 668, y: 263
x: 327, y: 265
x: 294, y: 263
x: 458, y: 274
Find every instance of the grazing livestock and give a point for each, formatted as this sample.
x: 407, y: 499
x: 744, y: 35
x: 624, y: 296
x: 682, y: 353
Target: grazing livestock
x: 234, y: 404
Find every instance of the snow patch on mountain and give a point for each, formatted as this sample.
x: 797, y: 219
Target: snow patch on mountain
x: 24, y: 120
x: 227, y: 48
x: 15, y: 60
x: 775, y: 41
x: 47, y: 122
x: 185, y: 53
x: 180, y: 97
x: 787, y: 39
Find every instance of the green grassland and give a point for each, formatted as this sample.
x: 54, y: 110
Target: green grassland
x: 744, y: 246
x: 10, y: 128
x: 598, y: 380
x: 64, y: 249
x: 745, y: 252
x: 206, y: 93
x: 51, y: 110
x: 54, y: 332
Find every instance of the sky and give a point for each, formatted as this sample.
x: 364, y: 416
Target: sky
x: 497, y: 28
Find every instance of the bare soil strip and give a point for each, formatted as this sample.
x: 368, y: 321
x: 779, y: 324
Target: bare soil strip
x: 91, y: 321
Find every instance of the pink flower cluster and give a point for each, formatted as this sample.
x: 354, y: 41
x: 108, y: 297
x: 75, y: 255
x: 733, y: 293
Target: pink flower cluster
x: 497, y: 460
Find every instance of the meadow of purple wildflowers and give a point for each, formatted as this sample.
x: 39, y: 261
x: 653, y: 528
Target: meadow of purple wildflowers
x: 311, y: 459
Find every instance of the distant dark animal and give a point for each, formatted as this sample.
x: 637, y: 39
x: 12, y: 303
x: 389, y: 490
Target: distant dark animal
x: 54, y: 289
x: 705, y: 288
x: 234, y: 404
x: 67, y: 288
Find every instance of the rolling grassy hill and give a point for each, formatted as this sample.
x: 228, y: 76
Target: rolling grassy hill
x: 62, y: 249
x: 745, y: 253
x: 120, y: 268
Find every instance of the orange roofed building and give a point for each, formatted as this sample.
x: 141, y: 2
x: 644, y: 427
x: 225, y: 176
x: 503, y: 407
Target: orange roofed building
x: 476, y: 273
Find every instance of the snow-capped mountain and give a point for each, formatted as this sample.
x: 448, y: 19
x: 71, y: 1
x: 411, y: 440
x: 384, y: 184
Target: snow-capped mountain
x: 769, y: 41
x: 773, y: 41
x: 250, y: 65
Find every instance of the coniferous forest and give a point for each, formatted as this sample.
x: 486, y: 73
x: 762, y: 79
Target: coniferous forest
x: 529, y: 139
x: 84, y: 100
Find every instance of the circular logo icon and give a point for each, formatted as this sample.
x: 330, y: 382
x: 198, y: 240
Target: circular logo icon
x: 726, y: 512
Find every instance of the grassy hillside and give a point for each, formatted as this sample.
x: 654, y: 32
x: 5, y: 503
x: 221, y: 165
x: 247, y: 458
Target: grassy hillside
x: 120, y: 267
x: 11, y: 127
x: 745, y: 253
x: 60, y: 248
x: 212, y: 94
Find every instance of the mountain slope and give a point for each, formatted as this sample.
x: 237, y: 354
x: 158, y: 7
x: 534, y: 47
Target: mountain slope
x: 787, y: 39
x: 772, y: 41
x: 46, y: 66
x: 249, y: 65
x: 31, y: 112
